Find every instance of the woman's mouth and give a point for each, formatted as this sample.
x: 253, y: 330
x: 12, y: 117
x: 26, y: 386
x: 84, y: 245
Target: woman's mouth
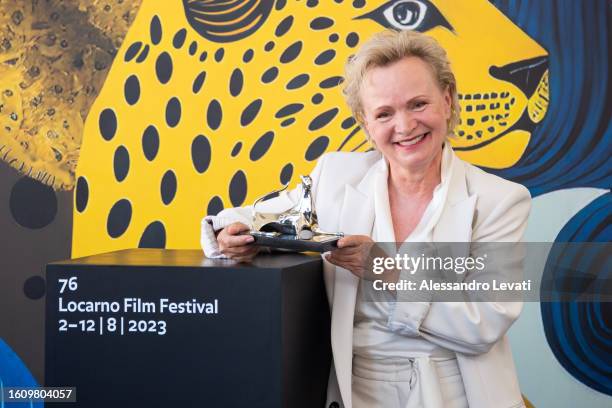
x: 414, y: 141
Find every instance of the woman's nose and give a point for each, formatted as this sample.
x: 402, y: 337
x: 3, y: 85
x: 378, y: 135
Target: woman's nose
x: 405, y: 123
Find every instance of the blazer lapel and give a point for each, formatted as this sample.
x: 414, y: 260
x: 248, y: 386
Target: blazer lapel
x: 356, y: 218
x: 455, y: 223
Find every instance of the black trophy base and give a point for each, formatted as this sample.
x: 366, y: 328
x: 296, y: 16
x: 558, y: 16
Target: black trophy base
x: 318, y: 243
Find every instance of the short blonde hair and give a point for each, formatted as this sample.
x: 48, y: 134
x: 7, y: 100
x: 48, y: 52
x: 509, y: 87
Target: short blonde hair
x: 389, y: 46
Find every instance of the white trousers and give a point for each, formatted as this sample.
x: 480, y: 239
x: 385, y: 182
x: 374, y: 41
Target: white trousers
x: 422, y: 382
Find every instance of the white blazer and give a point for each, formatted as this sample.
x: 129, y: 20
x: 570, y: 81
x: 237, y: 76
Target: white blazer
x: 480, y: 207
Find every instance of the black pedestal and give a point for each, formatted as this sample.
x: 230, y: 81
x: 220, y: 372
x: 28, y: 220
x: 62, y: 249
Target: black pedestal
x: 153, y: 328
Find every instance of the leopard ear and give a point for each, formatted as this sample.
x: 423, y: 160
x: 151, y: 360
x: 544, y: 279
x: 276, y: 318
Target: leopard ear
x: 224, y: 21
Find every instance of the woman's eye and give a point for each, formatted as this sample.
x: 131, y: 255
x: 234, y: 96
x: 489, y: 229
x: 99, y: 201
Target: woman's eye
x: 418, y: 15
x: 420, y: 105
x: 382, y: 115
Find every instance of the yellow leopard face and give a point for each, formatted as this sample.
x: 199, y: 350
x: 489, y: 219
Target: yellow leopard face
x: 502, y: 78
x: 211, y: 104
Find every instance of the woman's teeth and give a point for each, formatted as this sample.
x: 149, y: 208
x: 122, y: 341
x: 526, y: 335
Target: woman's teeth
x: 412, y: 141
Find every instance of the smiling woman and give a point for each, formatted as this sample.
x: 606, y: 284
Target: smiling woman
x: 401, y: 349
x: 402, y: 91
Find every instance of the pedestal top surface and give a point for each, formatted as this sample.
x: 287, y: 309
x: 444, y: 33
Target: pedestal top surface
x: 187, y: 258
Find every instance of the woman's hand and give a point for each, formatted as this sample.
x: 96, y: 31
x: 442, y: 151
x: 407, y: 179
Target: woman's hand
x: 236, y: 246
x: 353, y: 253
x: 356, y: 253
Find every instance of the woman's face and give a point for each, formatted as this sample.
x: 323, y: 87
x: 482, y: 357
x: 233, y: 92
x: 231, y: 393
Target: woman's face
x: 406, y: 113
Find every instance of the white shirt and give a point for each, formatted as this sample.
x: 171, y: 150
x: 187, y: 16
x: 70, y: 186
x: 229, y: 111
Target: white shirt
x: 372, y: 337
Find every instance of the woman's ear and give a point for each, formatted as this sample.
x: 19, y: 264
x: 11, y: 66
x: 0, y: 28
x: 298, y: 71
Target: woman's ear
x: 448, y: 102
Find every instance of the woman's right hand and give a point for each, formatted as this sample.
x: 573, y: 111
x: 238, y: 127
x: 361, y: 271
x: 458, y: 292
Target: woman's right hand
x: 236, y: 246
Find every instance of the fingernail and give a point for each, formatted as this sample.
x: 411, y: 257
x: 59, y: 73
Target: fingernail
x: 249, y: 239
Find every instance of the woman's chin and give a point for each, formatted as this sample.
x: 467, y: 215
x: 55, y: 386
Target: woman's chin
x: 416, y: 155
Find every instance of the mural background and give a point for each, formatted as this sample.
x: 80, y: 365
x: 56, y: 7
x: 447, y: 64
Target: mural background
x: 200, y: 111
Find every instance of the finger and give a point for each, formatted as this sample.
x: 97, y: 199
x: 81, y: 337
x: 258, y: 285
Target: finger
x: 353, y: 250
x: 351, y: 267
x: 344, y: 258
x: 231, y: 241
x: 345, y: 250
x: 248, y: 251
x: 336, y: 263
x: 348, y: 261
x: 331, y: 259
x: 347, y: 241
x: 236, y: 228
x: 345, y: 254
x: 353, y: 240
x: 341, y: 261
x: 247, y: 256
x: 240, y: 251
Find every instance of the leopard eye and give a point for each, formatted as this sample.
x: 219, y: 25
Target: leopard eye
x: 418, y: 15
x: 406, y: 15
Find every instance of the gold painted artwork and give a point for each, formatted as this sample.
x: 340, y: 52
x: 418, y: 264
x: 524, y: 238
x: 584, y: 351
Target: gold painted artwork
x: 211, y: 104
x: 54, y: 57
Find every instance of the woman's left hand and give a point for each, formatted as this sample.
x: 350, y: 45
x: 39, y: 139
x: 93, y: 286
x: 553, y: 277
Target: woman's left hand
x: 353, y: 253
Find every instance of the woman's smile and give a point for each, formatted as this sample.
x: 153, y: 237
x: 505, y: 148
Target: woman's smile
x: 412, y: 143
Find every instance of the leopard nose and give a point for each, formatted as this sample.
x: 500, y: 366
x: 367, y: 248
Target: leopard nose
x: 525, y: 74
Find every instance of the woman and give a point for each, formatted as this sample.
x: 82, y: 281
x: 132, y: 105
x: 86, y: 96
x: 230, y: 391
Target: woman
x: 404, y: 352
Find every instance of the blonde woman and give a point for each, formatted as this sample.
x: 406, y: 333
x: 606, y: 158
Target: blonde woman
x: 412, y: 188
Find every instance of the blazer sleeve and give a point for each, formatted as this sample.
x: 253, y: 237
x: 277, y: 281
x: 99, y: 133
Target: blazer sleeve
x: 472, y: 327
x: 213, y: 223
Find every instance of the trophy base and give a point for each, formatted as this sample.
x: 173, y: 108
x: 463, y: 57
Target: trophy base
x: 318, y: 243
